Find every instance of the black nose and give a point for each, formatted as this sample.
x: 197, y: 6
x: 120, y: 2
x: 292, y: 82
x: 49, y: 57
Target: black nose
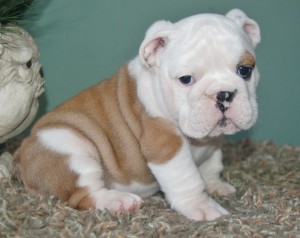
x: 225, y: 96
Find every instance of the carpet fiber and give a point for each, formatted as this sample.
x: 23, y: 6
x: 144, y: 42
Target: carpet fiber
x: 266, y: 204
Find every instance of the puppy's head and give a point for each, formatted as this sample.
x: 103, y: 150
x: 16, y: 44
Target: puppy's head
x: 206, y: 69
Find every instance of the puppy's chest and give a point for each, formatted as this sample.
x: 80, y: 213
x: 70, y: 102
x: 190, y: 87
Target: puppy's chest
x: 202, y: 153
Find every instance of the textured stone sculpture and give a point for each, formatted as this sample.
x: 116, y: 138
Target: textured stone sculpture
x: 21, y: 83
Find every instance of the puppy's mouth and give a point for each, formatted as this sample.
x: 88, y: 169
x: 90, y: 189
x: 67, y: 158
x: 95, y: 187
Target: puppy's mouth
x: 223, y: 122
x: 223, y: 108
x: 224, y: 125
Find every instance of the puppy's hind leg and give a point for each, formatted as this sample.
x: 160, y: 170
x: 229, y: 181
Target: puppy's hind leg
x: 85, y: 162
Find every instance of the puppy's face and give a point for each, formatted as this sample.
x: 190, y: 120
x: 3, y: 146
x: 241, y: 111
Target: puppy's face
x: 207, y: 72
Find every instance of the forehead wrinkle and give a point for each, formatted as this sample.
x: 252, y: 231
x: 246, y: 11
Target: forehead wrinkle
x: 218, y: 46
x: 204, y: 48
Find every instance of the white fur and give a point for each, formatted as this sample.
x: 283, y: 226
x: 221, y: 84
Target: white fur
x: 148, y: 90
x: 202, y: 152
x: 210, y: 170
x: 84, y: 160
x: 249, y: 26
x: 184, y: 187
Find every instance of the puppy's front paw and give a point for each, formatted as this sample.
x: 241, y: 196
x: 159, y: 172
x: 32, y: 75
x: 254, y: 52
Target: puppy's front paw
x: 221, y: 188
x: 207, y: 210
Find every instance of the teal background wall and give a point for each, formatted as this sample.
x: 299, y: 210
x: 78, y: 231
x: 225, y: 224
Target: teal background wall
x: 84, y: 41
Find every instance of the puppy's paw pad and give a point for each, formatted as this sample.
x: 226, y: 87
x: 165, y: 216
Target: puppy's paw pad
x: 128, y: 204
x: 120, y: 202
x: 214, y: 210
x: 221, y: 188
x: 207, y: 210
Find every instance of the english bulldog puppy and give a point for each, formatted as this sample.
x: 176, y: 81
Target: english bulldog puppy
x: 155, y: 125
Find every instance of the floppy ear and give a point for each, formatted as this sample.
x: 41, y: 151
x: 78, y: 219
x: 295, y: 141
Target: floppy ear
x: 250, y: 27
x: 155, y: 41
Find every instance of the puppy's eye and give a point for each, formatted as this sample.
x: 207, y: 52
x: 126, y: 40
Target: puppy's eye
x: 29, y: 64
x: 244, y: 71
x: 186, y: 79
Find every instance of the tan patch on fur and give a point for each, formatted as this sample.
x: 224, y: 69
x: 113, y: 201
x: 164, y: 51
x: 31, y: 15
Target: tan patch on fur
x: 44, y: 171
x: 111, y: 117
x: 159, y: 142
x: 247, y: 59
x: 81, y: 199
x: 86, y: 203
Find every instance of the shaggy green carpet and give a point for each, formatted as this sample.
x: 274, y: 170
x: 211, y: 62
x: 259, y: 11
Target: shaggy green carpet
x: 266, y: 204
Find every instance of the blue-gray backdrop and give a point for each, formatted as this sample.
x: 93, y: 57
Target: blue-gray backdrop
x: 82, y: 42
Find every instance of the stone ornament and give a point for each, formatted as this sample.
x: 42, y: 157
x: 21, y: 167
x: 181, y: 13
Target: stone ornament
x: 21, y: 82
